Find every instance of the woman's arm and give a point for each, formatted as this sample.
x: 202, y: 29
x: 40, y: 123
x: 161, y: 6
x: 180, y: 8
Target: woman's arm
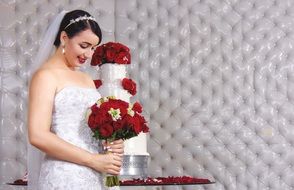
x: 41, y: 99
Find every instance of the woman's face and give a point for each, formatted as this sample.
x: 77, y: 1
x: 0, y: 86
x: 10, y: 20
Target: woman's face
x: 81, y: 47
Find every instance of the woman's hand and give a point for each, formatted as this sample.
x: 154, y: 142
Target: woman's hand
x: 111, y: 161
x: 116, y: 147
x: 106, y: 163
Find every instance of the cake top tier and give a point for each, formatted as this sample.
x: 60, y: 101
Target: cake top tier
x: 111, y: 72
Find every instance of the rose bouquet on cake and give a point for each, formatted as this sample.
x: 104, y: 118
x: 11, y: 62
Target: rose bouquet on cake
x: 112, y: 119
x: 111, y: 52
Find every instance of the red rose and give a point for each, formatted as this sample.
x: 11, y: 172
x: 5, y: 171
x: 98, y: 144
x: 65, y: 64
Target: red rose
x: 123, y: 58
x: 97, y: 57
x: 110, y: 55
x: 145, y: 128
x: 135, y: 123
x: 99, y: 120
x: 128, y: 123
x: 97, y: 83
x: 91, y: 122
x: 137, y: 107
x: 143, y: 124
x: 111, y: 52
x: 118, y: 125
x: 115, y: 104
x: 101, y: 117
x: 115, y: 45
x: 110, y: 44
x: 129, y: 85
x: 106, y: 130
x: 124, y: 48
x: 124, y: 127
x: 94, y: 108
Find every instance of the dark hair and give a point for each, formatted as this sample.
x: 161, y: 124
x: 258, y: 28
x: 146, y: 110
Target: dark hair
x: 77, y: 27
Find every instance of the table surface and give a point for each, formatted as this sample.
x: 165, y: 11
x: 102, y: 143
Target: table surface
x: 143, y: 184
x: 167, y: 184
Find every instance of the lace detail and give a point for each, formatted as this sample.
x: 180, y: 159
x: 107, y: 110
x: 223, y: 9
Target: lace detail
x: 68, y: 122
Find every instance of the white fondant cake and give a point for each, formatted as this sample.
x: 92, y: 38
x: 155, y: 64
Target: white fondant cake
x: 111, y: 76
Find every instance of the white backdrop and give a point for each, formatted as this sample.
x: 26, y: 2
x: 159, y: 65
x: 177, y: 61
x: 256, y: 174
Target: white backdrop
x: 215, y: 78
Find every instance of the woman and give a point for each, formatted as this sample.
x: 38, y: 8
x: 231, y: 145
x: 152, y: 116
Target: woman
x: 59, y: 96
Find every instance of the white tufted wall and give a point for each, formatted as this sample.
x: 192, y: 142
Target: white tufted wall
x: 216, y: 78
x: 221, y: 87
x: 21, y: 24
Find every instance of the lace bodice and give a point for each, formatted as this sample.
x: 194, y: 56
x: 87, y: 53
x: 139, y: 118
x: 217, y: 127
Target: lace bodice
x: 68, y: 122
x: 69, y: 113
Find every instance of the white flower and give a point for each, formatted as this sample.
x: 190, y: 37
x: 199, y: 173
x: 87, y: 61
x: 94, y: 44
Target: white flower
x: 131, y: 111
x: 102, y: 100
x: 115, y: 114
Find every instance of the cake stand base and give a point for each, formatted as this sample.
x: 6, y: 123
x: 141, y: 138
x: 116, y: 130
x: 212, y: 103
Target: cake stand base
x: 134, y: 166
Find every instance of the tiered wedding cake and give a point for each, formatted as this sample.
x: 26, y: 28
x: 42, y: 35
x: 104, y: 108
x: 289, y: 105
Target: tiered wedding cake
x: 112, y: 74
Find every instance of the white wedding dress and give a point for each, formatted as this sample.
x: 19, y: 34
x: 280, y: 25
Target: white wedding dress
x: 68, y: 122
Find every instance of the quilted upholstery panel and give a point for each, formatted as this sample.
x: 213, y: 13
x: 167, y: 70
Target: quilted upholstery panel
x: 22, y: 23
x: 220, y: 91
x: 215, y: 78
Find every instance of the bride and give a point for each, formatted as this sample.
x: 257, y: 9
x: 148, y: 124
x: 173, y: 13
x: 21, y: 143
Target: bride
x: 59, y: 96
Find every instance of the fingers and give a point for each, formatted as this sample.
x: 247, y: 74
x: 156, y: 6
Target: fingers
x: 116, y: 142
x: 108, y: 163
x: 107, y: 143
x: 117, y: 150
x: 119, y: 141
x: 117, y: 159
x: 113, y: 172
x: 114, y: 159
x: 115, y: 164
x: 115, y: 146
x: 119, y: 154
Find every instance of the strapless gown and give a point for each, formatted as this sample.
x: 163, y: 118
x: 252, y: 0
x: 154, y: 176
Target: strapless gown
x: 68, y: 122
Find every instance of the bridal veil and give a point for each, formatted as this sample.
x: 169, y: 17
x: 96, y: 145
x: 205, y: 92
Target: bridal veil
x: 46, y: 47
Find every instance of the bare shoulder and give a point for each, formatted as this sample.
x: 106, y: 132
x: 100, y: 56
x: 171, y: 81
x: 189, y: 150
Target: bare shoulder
x: 43, y: 79
x: 43, y: 75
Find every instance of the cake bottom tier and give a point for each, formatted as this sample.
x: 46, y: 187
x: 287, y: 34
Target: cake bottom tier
x: 134, y: 166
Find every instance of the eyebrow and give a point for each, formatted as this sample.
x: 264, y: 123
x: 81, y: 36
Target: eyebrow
x: 86, y: 43
x: 90, y: 44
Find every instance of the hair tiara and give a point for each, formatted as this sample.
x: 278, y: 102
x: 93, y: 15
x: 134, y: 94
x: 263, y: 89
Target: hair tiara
x: 79, y: 19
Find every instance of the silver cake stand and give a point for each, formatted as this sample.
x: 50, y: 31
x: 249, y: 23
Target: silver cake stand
x: 134, y: 166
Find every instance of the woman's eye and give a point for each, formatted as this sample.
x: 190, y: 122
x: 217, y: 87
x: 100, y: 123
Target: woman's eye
x: 84, y: 46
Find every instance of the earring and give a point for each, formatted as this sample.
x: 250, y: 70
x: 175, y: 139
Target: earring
x: 63, y: 50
